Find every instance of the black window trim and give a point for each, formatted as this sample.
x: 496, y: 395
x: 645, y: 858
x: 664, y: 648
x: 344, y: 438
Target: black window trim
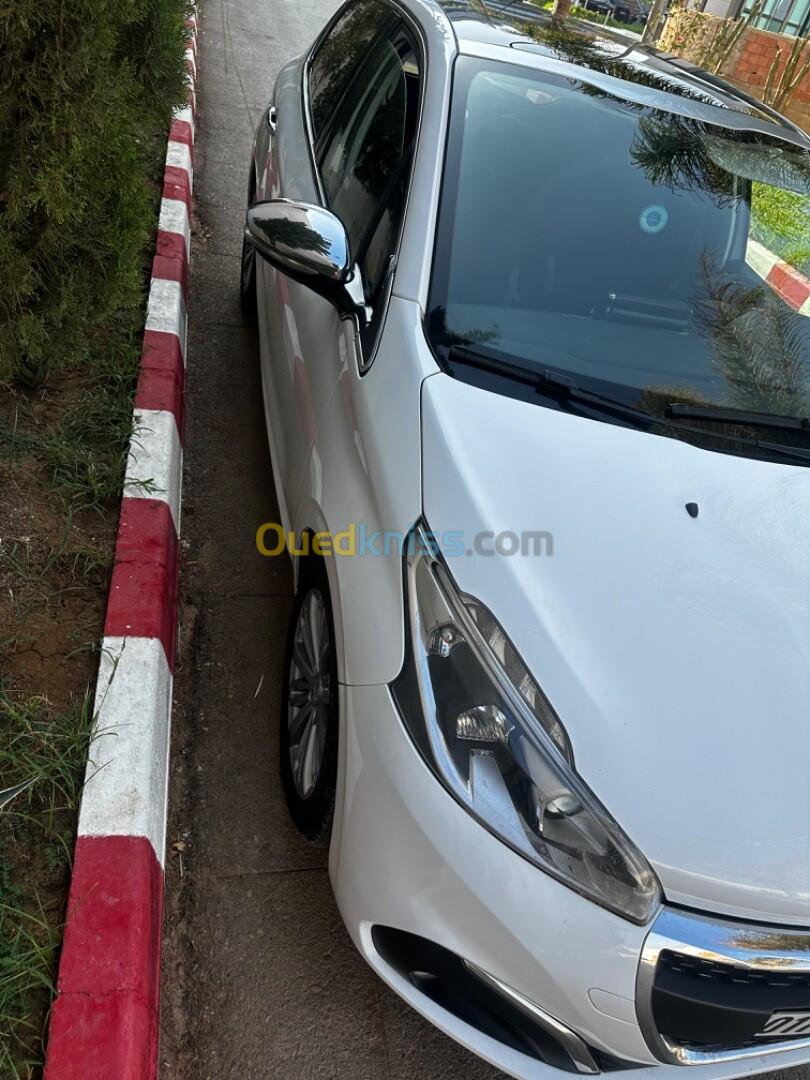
x: 322, y: 140
x: 365, y: 358
x: 316, y: 142
x: 307, y: 103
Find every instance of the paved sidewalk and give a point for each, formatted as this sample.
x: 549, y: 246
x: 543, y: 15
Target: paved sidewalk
x: 260, y: 979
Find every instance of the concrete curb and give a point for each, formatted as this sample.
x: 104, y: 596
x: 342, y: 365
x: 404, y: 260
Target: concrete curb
x: 105, y: 1020
x: 790, y: 283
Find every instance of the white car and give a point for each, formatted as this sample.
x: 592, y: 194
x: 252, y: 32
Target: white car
x: 535, y: 369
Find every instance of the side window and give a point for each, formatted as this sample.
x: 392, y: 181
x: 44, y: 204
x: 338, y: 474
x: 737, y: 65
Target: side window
x: 341, y: 56
x: 367, y: 160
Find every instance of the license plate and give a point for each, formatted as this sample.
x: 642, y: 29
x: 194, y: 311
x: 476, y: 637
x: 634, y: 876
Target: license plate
x: 786, y: 1025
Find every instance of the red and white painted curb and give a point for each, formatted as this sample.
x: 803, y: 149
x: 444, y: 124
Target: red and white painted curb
x: 783, y: 278
x: 104, y: 1024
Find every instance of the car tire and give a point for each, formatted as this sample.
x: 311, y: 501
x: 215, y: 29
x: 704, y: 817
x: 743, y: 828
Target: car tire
x: 247, y: 282
x: 309, y: 722
x: 248, y: 300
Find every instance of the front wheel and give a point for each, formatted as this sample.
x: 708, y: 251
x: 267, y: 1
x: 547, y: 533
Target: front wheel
x: 248, y: 301
x: 247, y: 281
x: 309, y: 708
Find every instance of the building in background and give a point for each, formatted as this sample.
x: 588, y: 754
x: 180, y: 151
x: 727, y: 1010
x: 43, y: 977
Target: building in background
x: 791, y: 17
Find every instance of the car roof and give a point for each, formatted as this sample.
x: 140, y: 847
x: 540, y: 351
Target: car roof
x: 521, y: 33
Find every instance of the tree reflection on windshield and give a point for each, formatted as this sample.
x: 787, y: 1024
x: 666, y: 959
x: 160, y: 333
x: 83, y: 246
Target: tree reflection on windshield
x: 755, y: 340
x: 628, y: 254
x: 671, y: 153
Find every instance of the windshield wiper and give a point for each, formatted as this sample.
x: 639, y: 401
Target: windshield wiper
x: 553, y: 383
x: 720, y: 415
x: 589, y: 402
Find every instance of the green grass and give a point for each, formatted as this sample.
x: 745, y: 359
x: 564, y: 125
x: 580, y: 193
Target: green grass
x: 86, y: 453
x: 85, y: 88
x: 65, y: 448
x: 73, y: 562
x: 780, y: 220
x: 71, y: 456
x: 88, y: 94
x: 36, y: 839
x: 82, y: 445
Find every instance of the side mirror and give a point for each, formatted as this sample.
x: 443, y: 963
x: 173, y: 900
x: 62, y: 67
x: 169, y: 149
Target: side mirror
x: 310, y: 245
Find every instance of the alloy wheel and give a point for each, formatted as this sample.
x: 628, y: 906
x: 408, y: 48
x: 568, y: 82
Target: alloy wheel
x: 308, y: 703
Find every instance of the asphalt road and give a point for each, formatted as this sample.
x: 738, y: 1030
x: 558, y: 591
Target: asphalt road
x: 260, y: 979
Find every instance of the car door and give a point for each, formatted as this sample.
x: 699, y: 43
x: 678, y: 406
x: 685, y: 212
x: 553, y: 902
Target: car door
x: 365, y: 162
x: 302, y: 337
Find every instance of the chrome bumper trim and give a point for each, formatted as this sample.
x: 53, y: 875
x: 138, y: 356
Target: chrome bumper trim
x: 573, y: 1045
x: 747, y: 945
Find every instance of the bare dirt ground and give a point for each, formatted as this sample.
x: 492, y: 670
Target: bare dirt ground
x: 56, y: 554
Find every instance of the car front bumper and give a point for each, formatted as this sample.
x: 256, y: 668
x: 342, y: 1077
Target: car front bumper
x: 406, y: 856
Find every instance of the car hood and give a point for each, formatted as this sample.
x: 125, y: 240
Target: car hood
x: 675, y: 649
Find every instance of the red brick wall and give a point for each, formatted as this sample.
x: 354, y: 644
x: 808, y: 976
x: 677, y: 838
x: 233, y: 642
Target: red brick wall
x: 691, y: 34
x: 759, y: 47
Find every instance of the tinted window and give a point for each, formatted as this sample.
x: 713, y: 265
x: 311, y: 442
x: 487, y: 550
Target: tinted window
x: 623, y: 245
x: 341, y: 55
x: 366, y: 164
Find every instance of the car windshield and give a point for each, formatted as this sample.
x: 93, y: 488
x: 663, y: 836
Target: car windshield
x: 645, y: 254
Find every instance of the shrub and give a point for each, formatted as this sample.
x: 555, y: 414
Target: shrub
x: 586, y: 15
x: 85, y: 85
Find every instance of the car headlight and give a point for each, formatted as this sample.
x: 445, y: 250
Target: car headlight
x: 489, y: 734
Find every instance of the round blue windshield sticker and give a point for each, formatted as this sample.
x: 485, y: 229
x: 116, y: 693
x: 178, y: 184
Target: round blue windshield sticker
x: 653, y: 219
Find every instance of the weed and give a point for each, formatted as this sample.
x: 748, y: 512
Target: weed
x: 36, y: 837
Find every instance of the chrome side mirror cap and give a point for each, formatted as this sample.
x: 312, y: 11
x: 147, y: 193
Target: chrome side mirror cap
x: 310, y: 245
